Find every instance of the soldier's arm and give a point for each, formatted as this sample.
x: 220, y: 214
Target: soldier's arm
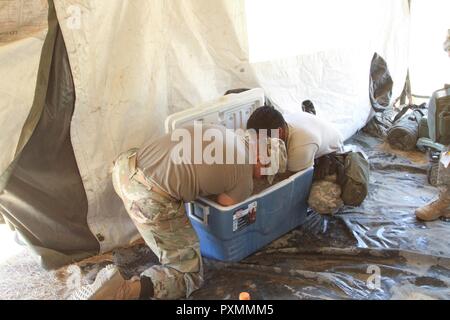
x: 225, y: 200
x: 241, y: 190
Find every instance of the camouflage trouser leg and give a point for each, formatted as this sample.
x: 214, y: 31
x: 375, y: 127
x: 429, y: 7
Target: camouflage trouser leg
x: 443, y: 178
x: 167, y: 230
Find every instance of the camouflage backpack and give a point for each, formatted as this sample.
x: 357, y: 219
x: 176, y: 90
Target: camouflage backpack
x: 352, y: 170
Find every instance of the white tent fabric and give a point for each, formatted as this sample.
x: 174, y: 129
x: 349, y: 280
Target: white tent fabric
x: 430, y: 24
x: 136, y: 62
x: 17, y: 85
x: 336, y: 78
x: 22, y: 34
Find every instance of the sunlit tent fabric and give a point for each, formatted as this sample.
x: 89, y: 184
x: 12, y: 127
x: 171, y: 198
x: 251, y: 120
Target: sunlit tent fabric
x: 132, y: 63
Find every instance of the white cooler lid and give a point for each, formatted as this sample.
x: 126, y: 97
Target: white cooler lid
x: 231, y: 111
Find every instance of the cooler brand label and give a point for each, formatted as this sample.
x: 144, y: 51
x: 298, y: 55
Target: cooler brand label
x: 244, y: 217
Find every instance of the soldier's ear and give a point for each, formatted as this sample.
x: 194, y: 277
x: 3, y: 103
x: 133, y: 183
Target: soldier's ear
x: 282, y: 133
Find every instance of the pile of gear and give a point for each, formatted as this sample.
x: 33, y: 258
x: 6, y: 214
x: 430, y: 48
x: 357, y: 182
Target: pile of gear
x: 340, y: 179
x: 425, y: 127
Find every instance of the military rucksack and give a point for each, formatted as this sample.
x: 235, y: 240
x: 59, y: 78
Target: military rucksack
x: 405, y: 130
x: 352, y: 171
x: 355, y: 179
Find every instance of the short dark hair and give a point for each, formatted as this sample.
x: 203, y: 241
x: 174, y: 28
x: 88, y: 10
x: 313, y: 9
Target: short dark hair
x: 266, y: 117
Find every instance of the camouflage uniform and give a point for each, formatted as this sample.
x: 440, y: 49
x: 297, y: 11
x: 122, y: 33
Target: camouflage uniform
x: 166, y: 229
x: 440, y: 207
x: 444, y: 173
x: 443, y: 178
x: 325, y: 196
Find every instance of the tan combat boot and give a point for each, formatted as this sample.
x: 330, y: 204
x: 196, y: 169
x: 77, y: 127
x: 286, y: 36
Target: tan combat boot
x: 109, y: 285
x: 436, y: 209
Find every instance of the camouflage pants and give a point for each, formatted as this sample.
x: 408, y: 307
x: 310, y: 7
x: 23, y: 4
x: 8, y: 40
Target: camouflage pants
x: 444, y: 177
x: 166, y: 229
x: 325, y: 196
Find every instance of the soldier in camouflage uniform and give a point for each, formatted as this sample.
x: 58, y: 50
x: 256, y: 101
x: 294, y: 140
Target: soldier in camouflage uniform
x: 154, y: 189
x: 440, y: 207
x: 166, y: 229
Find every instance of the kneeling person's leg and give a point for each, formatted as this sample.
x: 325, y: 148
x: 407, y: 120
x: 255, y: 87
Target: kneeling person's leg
x: 167, y: 230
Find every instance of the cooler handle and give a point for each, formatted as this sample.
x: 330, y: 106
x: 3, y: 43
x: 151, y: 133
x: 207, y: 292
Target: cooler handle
x: 198, y: 212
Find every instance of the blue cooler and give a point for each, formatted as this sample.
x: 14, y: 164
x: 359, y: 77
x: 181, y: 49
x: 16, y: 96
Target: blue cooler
x: 233, y: 233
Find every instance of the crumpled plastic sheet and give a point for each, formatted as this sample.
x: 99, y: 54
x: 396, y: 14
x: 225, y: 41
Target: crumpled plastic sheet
x: 376, y: 251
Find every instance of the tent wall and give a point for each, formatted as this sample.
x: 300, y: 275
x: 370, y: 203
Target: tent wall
x: 23, y: 29
x: 135, y: 62
x: 429, y: 27
x: 335, y: 79
x: 45, y: 198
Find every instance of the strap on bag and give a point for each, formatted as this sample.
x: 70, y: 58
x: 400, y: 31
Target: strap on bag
x: 417, y: 113
x: 329, y: 165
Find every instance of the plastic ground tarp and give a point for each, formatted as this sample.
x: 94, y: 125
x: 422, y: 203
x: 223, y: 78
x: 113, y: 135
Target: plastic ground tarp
x: 376, y: 251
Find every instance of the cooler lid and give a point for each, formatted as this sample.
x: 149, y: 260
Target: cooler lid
x: 231, y: 111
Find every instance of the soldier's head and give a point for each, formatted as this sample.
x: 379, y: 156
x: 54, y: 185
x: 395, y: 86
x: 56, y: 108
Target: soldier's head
x: 269, y: 154
x: 268, y: 118
x: 265, y: 118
